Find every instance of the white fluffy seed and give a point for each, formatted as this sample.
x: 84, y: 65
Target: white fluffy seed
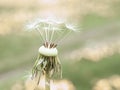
x: 48, y: 51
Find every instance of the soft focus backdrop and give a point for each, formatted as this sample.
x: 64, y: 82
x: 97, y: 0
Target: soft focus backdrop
x: 90, y: 58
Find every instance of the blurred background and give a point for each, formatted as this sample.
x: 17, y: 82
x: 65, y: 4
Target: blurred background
x: 90, y: 58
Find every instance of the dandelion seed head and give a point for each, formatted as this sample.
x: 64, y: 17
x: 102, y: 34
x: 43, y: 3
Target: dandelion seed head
x: 48, y: 63
x: 55, y: 24
x: 51, y: 29
x: 32, y: 25
x: 72, y: 27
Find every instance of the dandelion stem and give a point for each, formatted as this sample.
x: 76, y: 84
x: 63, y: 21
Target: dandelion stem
x: 47, y: 82
x: 48, y: 32
x: 52, y: 35
x: 64, y: 36
x: 41, y: 34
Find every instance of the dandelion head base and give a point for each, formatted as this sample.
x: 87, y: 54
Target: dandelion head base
x: 48, y: 50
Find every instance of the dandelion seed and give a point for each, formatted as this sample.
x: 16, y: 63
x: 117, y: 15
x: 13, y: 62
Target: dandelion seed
x: 48, y: 64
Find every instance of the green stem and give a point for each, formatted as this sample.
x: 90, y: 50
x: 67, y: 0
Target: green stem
x: 47, y: 82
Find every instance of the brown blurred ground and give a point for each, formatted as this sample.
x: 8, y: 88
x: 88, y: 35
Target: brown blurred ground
x: 15, y: 13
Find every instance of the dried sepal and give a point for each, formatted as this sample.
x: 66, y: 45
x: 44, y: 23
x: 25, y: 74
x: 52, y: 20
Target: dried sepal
x: 47, y: 65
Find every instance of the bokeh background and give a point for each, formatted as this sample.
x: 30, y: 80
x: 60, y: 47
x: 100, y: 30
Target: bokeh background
x: 90, y: 58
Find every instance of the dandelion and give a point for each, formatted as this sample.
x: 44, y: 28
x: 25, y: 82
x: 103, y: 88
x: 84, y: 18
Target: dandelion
x: 48, y: 64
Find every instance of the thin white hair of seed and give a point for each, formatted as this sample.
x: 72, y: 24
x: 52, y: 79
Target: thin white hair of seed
x: 51, y: 30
